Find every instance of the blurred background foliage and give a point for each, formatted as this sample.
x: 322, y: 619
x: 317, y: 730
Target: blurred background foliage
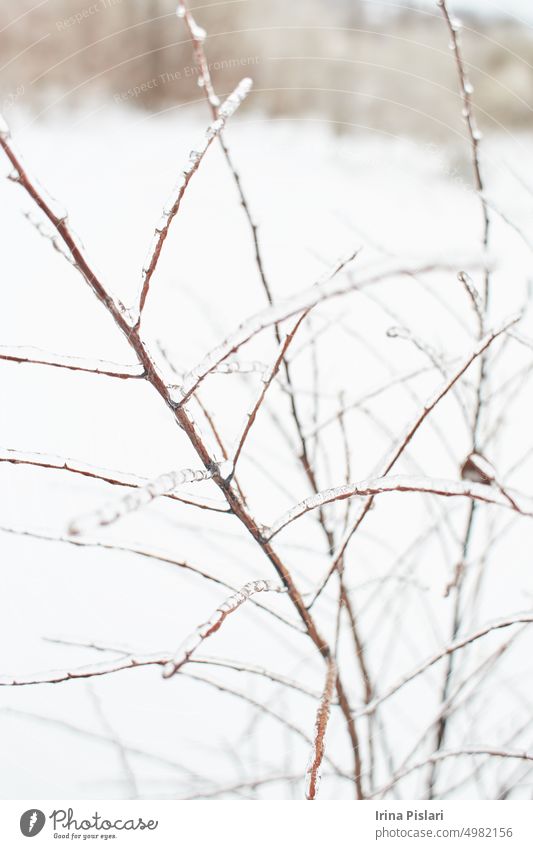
x: 352, y: 63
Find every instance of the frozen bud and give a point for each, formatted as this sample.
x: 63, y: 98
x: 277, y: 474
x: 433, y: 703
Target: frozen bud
x: 198, y: 33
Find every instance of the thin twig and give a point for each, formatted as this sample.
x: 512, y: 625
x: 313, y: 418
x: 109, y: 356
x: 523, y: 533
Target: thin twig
x: 321, y: 724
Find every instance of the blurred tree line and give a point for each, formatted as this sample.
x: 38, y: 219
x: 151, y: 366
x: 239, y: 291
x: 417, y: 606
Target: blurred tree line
x: 348, y: 61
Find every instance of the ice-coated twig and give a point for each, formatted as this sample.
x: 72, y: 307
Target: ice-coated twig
x: 171, y: 208
x: 421, y: 345
x: 402, y: 483
x: 94, y: 736
x: 467, y: 751
x: 34, y: 356
x: 46, y: 461
x: 303, y: 300
x: 49, y: 235
x: 215, y: 621
x: 466, y: 91
x: 106, y: 667
x: 262, y: 708
x: 410, y: 432
x: 448, y: 650
x: 312, y: 775
x: 137, y: 659
x: 464, y: 689
x: 197, y: 35
x: 475, y: 298
x: 57, y: 216
x: 158, y: 556
x: 266, y: 380
x: 351, y: 404
x: 115, y: 510
x: 126, y: 324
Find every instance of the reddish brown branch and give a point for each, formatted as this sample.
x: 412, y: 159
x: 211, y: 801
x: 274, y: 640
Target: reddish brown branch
x: 321, y: 724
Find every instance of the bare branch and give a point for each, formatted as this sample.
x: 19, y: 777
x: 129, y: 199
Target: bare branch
x: 141, y: 551
x: 466, y: 90
x: 197, y: 35
x: 215, y: 621
x: 34, y: 356
x: 445, y: 652
x: 321, y: 724
x: 267, y: 379
x: 401, y: 483
x: 45, y: 461
x: 115, y: 510
x: 467, y: 751
x: 411, y: 430
x: 304, y: 300
x: 171, y: 208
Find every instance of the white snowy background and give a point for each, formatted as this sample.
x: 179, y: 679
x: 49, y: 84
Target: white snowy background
x: 316, y: 196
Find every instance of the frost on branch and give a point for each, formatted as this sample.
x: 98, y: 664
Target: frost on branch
x: 312, y: 775
x: 172, y: 205
x: 115, y: 510
x: 304, y: 300
x: 402, y: 483
x: 215, y: 621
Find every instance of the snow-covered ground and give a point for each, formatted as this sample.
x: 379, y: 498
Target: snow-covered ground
x: 316, y: 196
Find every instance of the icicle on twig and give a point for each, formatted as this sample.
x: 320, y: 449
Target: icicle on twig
x: 49, y: 235
x: 228, y: 108
x: 303, y: 300
x: 402, y: 483
x: 111, y: 476
x: 215, y: 621
x: 58, y: 217
x: 156, y: 488
x: 35, y: 356
x: 321, y: 724
x: 266, y: 380
x: 474, y: 296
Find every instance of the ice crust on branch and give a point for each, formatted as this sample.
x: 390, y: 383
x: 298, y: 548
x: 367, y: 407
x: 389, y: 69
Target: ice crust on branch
x: 312, y: 775
x: 156, y: 488
x: 35, y: 356
x: 303, y: 300
x: 187, y: 648
x: 111, y: 476
x: 172, y: 205
x: 401, y: 483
